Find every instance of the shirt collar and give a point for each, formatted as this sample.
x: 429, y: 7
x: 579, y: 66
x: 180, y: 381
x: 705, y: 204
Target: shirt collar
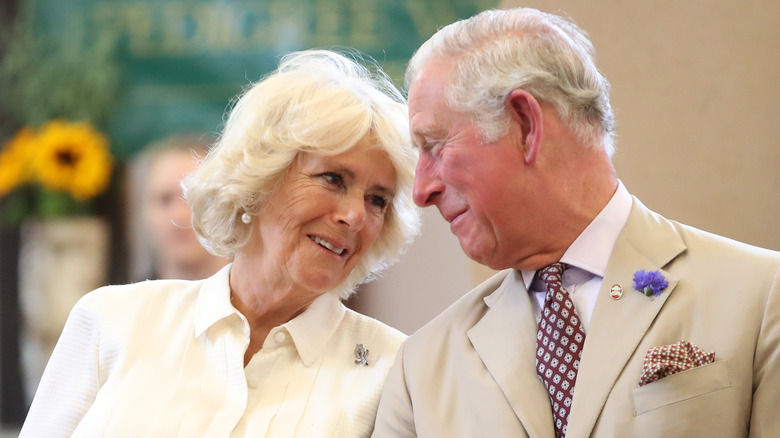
x: 213, y: 301
x: 312, y: 330
x: 591, y: 250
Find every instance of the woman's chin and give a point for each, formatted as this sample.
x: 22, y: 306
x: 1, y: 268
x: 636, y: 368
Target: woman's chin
x: 321, y: 283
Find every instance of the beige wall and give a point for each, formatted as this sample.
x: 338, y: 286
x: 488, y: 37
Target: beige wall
x: 696, y: 94
x: 697, y: 100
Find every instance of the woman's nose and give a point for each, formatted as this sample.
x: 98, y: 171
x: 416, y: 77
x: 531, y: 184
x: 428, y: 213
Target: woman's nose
x: 352, y: 212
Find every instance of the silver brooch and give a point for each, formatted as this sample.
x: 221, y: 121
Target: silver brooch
x: 361, y: 354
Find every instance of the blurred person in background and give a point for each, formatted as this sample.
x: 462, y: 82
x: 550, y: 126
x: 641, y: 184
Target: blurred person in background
x: 163, y: 243
x: 309, y: 191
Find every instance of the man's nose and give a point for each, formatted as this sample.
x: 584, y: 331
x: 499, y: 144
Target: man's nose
x: 427, y: 186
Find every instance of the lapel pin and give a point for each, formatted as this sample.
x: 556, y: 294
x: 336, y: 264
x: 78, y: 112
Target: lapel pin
x: 361, y: 355
x: 616, y: 292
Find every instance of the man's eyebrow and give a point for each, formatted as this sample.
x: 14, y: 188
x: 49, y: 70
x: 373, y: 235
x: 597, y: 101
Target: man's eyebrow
x: 425, y: 131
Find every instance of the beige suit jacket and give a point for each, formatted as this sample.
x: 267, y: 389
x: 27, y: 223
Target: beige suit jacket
x: 470, y: 372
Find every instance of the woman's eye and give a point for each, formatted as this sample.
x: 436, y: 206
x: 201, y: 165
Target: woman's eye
x: 333, y: 178
x: 379, y: 202
x: 164, y: 200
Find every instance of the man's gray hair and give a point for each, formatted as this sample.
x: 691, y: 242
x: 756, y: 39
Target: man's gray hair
x: 498, y: 51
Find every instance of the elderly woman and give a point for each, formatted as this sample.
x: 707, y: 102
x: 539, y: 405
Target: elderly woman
x: 309, y: 191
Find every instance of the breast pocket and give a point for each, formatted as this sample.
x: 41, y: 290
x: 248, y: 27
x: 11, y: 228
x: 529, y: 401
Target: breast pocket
x: 682, y: 386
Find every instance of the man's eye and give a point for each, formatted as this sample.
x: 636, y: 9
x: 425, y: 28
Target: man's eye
x: 433, y: 148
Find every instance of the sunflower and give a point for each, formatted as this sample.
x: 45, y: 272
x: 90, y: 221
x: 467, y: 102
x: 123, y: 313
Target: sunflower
x: 14, y: 161
x: 72, y: 157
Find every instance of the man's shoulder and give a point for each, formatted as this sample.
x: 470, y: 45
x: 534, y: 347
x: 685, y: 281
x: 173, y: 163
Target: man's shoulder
x: 650, y: 230
x: 460, y: 316
x: 694, y: 237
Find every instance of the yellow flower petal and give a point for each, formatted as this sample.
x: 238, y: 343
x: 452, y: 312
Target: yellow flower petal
x: 15, y: 161
x: 72, y: 157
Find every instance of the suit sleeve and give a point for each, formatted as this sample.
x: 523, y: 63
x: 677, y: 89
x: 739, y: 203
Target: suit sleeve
x: 764, y: 421
x: 395, y: 416
x: 70, y: 381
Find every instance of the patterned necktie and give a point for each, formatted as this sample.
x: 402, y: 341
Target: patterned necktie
x: 559, y: 343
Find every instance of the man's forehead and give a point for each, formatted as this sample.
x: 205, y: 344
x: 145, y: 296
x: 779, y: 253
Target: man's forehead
x: 426, y: 95
x: 428, y: 78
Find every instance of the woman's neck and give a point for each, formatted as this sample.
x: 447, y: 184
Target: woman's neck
x: 264, y: 302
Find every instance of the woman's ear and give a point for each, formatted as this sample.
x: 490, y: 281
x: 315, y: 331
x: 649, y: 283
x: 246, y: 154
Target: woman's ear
x: 526, y: 112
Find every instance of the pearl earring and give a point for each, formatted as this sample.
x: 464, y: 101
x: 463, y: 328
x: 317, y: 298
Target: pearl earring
x: 246, y: 218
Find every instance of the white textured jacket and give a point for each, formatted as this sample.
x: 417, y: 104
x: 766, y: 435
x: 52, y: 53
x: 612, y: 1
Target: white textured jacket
x: 165, y: 359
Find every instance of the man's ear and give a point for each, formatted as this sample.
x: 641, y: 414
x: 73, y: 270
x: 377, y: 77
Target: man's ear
x: 526, y: 112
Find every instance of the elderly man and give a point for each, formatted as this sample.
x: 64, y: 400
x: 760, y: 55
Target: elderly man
x: 664, y: 330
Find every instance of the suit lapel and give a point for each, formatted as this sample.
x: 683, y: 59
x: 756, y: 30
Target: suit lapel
x: 617, y: 326
x: 505, y: 340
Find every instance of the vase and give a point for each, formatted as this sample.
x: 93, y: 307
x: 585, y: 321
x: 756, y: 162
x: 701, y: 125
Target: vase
x: 60, y: 260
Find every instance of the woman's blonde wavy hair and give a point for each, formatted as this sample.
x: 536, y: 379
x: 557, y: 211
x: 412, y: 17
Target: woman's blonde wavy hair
x: 317, y: 101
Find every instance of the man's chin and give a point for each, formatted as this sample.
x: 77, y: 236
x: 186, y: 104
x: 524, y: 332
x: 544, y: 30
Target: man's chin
x: 486, y: 257
x: 476, y: 253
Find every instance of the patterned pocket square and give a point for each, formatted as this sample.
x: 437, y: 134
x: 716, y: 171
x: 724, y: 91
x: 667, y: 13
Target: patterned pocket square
x: 672, y: 359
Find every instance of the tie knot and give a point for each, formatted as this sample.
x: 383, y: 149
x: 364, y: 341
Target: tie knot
x: 553, y: 272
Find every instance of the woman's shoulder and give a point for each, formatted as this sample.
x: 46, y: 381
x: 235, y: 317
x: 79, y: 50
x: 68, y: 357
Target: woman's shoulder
x: 129, y: 298
x: 367, y: 327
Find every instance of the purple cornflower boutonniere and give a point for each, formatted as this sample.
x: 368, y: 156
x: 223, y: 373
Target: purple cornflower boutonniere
x: 649, y: 283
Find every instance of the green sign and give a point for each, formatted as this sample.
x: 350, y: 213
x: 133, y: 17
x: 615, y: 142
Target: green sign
x: 182, y: 62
